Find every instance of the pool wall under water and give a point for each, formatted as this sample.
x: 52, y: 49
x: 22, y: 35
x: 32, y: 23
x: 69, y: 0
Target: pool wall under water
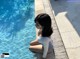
x: 17, y: 28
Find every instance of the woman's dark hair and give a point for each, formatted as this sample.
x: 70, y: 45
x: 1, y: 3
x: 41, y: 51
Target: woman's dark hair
x: 45, y: 21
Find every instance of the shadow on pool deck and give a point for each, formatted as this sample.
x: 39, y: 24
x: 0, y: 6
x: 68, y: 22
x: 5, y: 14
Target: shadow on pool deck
x: 72, y: 10
x: 39, y: 56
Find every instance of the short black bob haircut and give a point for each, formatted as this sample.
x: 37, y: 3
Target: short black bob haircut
x: 45, y: 21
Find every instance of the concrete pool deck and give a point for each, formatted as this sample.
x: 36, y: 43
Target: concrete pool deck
x: 68, y: 21
x: 43, y: 6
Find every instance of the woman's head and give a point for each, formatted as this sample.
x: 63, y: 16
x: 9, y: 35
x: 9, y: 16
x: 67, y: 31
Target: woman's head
x: 43, y: 21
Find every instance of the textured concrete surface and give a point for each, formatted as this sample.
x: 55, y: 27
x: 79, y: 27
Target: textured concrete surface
x: 45, y: 7
x: 68, y: 21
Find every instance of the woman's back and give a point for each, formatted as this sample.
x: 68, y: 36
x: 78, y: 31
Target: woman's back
x: 48, y: 42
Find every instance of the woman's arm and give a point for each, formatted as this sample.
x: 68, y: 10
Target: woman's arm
x: 35, y: 42
x: 45, y: 51
x: 38, y: 33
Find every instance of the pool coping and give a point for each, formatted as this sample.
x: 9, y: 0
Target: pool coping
x: 70, y: 36
x: 45, y: 7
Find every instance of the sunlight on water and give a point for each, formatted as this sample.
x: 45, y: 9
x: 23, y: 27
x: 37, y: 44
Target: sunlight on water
x: 16, y: 28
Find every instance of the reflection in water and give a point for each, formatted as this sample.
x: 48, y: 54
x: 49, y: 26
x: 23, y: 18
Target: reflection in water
x: 16, y: 24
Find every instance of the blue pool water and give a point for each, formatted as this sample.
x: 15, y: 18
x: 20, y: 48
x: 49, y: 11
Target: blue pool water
x: 17, y: 28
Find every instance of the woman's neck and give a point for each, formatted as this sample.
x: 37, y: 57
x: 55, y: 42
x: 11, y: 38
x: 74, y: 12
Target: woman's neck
x: 40, y: 32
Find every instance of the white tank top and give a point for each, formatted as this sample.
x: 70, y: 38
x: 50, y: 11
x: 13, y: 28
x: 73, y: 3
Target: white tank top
x: 47, y: 43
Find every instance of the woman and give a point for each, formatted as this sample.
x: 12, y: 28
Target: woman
x: 43, y: 43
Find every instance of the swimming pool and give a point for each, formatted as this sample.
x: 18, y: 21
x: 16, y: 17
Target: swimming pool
x: 16, y: 28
